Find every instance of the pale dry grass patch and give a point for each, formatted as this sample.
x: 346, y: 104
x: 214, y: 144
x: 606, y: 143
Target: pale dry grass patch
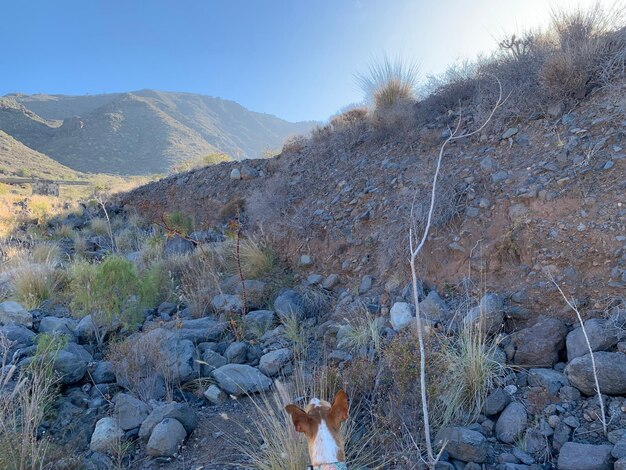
x: 35, y: 283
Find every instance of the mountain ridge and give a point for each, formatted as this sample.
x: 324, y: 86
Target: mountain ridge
x: 139, y: 132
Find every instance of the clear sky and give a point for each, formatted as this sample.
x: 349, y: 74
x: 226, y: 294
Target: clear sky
x: 292, y: 58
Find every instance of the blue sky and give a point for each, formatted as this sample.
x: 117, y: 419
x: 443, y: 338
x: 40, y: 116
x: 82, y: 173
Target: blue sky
x: 295, y: 59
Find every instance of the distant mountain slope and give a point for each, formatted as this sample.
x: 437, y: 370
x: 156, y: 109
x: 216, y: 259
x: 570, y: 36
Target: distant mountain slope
x: 141, y: 132
x: 18, y: 160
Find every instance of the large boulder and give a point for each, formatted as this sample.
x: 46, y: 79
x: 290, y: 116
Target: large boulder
x: 17, y: 334
x: 433, y: 307
x: 257, y: 322
x: 240, y: 379
x: 129, y: 411
x: 12, y: 312
x: 272, y: 362
x: 179, y: 354
x: 511, y: 423
x: 488, y: 315
x: 602, y: 336
x: 107, y: 436
x: 236, y: 352
x: 179, y: 411
x: 70, y: 366
x: 227, y: 303
x: 57, y: 325
x: 211, y: 360
x: 611, y: 371
x: 540, y: 344
x: 166, y: 438
x: 464, y: 444
x: 576, y: 456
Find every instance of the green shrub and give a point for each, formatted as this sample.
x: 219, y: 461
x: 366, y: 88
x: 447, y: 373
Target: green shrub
x: 179, y: 222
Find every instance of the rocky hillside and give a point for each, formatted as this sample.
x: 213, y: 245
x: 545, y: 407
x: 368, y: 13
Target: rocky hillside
x: 16, y: 159
x: 514, y: 202
x: 140, y: 132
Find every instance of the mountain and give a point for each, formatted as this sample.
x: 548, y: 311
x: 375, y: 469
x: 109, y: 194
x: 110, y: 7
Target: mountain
x: 140, y: 132
x: 16, y: 159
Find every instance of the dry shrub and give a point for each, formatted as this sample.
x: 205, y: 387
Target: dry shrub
x: 232, y: 209
x: 199, y: 277
x: 257, y: 257
x: 294, y: 144
x: 36, y: 283
x: 141, y: 367
x: 352, y: 118
x: 46, y: 253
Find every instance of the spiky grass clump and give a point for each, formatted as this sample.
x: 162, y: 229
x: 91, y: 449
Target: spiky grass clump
x: 99, y: 226
x: 388, y: 83
x: 257, y: 258
x: 469, y: 369
x: 35, y: 283
x: 365, y: 331
x: 48, y: 254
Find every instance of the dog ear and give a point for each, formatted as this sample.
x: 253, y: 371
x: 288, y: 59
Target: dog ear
x: 301, y: 420
x: 340, y: 407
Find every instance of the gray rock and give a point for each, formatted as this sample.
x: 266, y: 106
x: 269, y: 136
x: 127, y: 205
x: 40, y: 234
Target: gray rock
x: 179, y: 411
x: 576, y: 456
x: 272, y: 362
x: 330, y: 281
x: 510, y: 132
x: 499, y: 176
x: 17, y: 334
x: 248, y: 172
x: 227, y: 303
x: 236, y: 352
x: 13, y: 313
x: 166, y: 438
x: 211, y: 360
x: 103, y: 372
x: 177, y: 245
x: 488, y: 164
x: 433, y: 307
x: 289, y: 303
x: 214, y: 394
x: 540, y: 344
x: 401, y: 315
x: 619, y: 450
x: 65, y: 326
x: 129, y: 411
x: 235, y: 174
x: 601, y: 337
x: 107, y: 436
x: 549, y: 379
x: 313, y: 279
x: 517, y: 211
x: 179, y: 354
x: 239, y: 379
x: 619, y: 464
x: 256, y: 292
x: 489, y: 314
x: 305, y: 260
x: 611, y: 371
x: 257, y: 322
x: 464, y: 444
x: 366, y: 284
x: 496, y: 401
x: 70, y: 367
x: 511, y: 423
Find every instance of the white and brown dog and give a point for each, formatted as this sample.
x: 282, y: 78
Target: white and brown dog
x: 320, y: 423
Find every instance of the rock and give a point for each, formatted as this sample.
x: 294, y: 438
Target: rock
x: 313, y: 279
x: 576, y: 456
x: 248, y: 172
x: 211, y: 360
x: 517, y: 211
x: 236, y: 352
x: 167, y: 309
x: 540, y: 344
x: 214, y: 394
x: 129, y: 411
x: 619, y: 464
x: 366, y: 284
x: 177, y: 245
x: 549, y: 379
x: 330, y: 281
x: 13, y: 313
x: 65, y: 326
x: 227, y: 303
x: 401, y: 315
x: 464, y: 444
x: 235, y: 174
x: 272, y: 362
x: 107, y: 436
x: 601, y: 337
x: 179, y: 411
x: 305, y: 260
x: 488, y: 164
x: 289, y: 303
x: 256, y: 323
x: 180, y: 355
x: 495, y: 402
x: 611, y: 370
x: 103, y: 372
x: 433, y: 307
x: 166, y: 438
x: 17, y: 334
x: 239, y: 379
x: 489, y: 314
x: 511, y: 423
x: 499, y: 176
x: 510, y: 132
x: 70, y: 367
x: 338, y: 356
x: 619, y: 450
x: 256, y: 292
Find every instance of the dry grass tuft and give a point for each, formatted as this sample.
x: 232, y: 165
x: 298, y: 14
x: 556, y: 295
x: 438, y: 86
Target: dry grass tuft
x: 35, y: 283
x: 389, y: 83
